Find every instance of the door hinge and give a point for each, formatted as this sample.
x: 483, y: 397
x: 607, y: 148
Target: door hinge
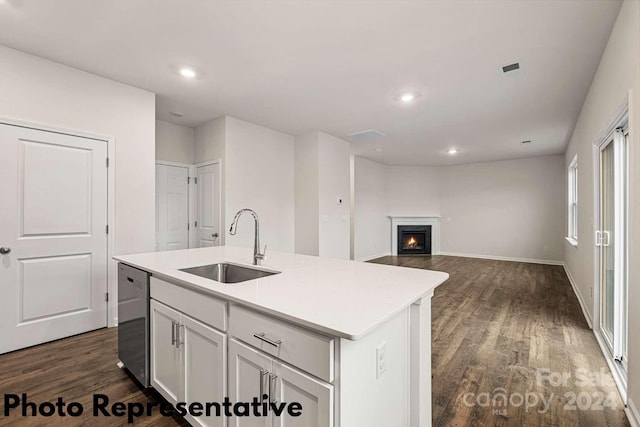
x: 107, y: 162
x: 107, y: 228
x: 188, y: 226
x: 107, y: 296
x: 188, y: 179
x: 196, y: 224
x: 195, y: 180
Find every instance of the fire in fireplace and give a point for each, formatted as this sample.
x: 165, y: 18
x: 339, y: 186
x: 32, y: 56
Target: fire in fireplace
x: 414, y: 240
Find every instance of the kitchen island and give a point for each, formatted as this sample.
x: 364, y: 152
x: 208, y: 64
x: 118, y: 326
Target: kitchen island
x: 349, y: 341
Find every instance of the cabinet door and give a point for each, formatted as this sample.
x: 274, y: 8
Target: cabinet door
x: 248, y: 376
x: 166, y: 363
x: 316, y: 398
x: 204, y: 353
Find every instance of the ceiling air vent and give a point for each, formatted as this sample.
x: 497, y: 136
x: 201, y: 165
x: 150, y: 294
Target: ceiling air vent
x: 365, y: 135
x: 511, y: 67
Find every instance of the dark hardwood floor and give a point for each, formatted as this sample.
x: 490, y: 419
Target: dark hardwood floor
x: 75, y: 369
x: 496, y: 325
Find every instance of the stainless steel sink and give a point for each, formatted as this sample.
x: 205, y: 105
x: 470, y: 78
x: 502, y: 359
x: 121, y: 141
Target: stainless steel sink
x: 226, y: 272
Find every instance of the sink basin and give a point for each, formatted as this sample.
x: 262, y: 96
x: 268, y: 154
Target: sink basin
x: 226, y: 272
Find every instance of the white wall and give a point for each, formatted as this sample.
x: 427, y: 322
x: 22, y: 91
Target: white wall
x: 372, y: 232
x: 618, y: 76
x: 334, y: 183
x: 259, y: 174
x: 307, y: 211
x: 511, y: 209
x: 507, y: 209
x: 413, y: 190
x: 323, y: 176
x: 210, y: 145
x: 209, y: 141
x: 40, y: 91
x: 174, y: 143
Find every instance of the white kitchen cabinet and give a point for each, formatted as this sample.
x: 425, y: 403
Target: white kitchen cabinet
x: 349, y: 341
x: 252, y: 373
x: 166, y: 357
x: 316, y: 398
x: 188, y: 361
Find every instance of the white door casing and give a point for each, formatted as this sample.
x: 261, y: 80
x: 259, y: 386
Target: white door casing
x: 172, y: 207
x: 54, y: 219
x: 207, y: 216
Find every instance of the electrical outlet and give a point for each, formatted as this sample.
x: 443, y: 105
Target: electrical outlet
x: 381, y: 359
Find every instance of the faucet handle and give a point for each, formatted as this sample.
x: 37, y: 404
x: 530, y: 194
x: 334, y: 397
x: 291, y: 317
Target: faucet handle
x: 260, y: 256
x: 263, y: 254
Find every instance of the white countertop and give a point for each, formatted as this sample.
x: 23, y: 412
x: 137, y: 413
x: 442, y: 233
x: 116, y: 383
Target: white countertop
x: 340, y: 298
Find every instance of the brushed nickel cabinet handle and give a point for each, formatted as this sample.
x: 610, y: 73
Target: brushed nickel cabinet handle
x: 272, y: 380
x: 261, y: 336
x: 173, y: 333
x: 178, y: 334
x: 261, y: 379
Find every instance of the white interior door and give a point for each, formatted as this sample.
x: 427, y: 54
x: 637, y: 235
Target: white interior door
x: 53, y: 233
x: 172, y: 207
x: 208, y: 205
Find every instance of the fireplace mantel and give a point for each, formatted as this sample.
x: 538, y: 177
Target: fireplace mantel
x: 433, y: 221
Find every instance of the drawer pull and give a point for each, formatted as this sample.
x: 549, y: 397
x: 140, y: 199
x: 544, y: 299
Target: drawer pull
x: 261, y: 336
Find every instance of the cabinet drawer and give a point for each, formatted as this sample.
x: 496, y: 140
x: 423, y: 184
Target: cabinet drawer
x: 205, y: 308
x: 300, y: 347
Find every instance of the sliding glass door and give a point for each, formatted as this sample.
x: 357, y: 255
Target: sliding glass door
x: 605, y: 238
x: 611, y: 241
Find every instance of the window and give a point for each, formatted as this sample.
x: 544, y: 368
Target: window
x: 572, y: 235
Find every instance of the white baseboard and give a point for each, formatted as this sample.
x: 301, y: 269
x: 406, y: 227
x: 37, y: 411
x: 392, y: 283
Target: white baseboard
x: 632, y: 414
x: 504, y: 258
x: 583, y: 306
x: 369, y: 258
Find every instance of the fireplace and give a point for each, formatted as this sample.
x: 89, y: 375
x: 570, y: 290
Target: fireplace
x: 414, y: 240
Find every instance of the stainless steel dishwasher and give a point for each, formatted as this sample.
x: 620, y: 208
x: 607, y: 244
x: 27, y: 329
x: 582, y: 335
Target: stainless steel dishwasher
x: 133, y: 321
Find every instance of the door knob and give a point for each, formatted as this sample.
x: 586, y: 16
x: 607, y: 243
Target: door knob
x: 5, y: 250
x: 214, y: 235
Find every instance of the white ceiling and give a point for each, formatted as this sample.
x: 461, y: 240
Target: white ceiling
x: 338, y: 66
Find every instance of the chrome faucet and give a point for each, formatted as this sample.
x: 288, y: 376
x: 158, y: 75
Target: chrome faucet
x: 257, y: 256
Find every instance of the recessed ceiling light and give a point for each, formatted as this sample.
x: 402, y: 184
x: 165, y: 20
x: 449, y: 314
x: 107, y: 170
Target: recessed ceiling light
x: 176, y: 113
x: 407, y: 97
x: 379, y: 149
x: 452, y: 151
x: 187, y: 72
